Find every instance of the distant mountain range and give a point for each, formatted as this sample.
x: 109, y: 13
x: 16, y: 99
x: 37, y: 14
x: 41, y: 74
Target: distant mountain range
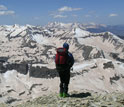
x: 26, y: 43
x: 116, y: 29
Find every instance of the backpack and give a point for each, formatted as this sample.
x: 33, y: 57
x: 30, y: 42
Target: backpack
x: 61, y: 56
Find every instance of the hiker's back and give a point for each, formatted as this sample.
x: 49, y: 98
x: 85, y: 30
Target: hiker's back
x: 61, y: 59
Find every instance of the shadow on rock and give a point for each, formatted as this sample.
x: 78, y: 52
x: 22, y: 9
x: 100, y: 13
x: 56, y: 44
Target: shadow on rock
x: 81, y: 95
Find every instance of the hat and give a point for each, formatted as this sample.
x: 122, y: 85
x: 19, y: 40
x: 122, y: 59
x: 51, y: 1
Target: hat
x: 65, y: 45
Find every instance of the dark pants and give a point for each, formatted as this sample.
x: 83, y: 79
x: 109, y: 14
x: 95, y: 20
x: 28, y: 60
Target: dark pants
x: 64, y: 80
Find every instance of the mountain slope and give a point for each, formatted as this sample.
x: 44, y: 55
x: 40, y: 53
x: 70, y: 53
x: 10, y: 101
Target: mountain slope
x: 27, y: 67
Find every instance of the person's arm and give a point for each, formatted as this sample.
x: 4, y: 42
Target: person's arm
x: 71, y: 62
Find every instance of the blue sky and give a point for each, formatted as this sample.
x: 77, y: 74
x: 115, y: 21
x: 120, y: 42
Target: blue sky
x: 41, y: 12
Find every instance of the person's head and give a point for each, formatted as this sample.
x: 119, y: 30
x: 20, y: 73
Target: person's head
x: 65, y: 45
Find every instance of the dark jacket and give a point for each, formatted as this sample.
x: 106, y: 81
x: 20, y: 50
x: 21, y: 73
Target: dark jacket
x: 70, y: 62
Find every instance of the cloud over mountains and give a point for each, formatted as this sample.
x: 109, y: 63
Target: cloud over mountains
x: 113, y: 15
x: 5, y: 11
x: 67, y: 9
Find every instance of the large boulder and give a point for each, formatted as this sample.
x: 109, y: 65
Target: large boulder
x: 108, y: 65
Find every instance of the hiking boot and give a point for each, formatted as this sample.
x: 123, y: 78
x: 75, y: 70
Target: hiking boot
x: 60, y: 94
x: 65, y: 95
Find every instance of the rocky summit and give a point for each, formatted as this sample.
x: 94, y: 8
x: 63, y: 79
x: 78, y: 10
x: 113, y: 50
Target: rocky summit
x: 27, y: 70
x: 76, y: 99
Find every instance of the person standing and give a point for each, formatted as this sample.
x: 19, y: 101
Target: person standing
x: 64, y: 60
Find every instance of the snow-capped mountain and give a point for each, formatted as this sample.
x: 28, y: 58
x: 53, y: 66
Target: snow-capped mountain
x: 30, y: 50
x: 29, y: 42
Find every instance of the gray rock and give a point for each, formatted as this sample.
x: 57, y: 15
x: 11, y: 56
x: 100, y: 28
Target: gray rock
x: 34, y: 85
x: 87, y: 53
x: 115, y: 56
x: 2, y: 68
x: 108, y: 65
x: 42, y: 72
x: 3, y: 59
x: 115, y: 78
x: 87, y: 50
x: 21, y: 93
x: 10, y: 100
x: 0, y: 95
x: 21, y: 68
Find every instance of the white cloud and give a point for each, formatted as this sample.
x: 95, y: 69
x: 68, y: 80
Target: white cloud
x: 2, y: 7
x: 36, y: 18
x: 113, y: 15
x: 66, y: 9
x: 60, y: 11
x: 6, y: 13
x: 87, y: 15
x: 59, y: 16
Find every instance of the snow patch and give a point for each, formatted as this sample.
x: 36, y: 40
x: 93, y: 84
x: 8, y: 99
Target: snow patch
x: 81, y: 66
x: 49, y: 32
x: 9, y: 74
x: 81, y: 33
x: 39, y: 39
x: 17, y: 31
